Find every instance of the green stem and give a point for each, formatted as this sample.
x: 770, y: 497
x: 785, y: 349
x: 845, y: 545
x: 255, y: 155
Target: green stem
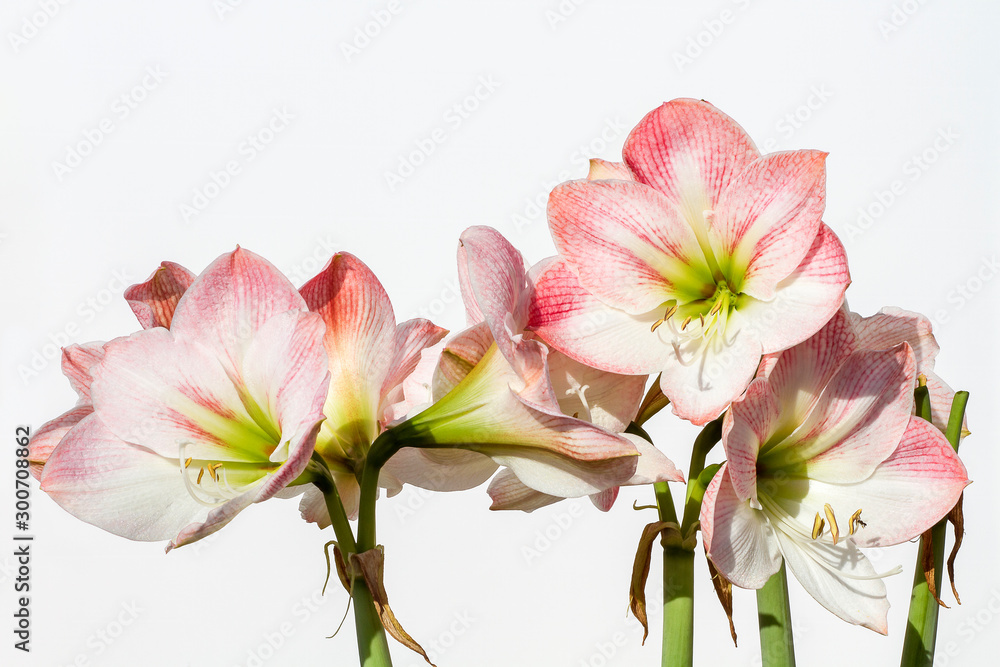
x: 678, y: 559
x: 777, y: 647
x: 922, y: 620
x: 373, y: 648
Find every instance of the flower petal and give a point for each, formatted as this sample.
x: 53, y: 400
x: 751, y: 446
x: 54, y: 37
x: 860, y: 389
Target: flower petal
x: 891, y: 326
x: 360, y: 334
x: 702, y: 383
x: 738, y: 539
x: 154, y: 301
x: 768, y: 217
x: 602, y: 170
x: 805, y: 300
x: 607, y: 399
x: 495, y: 274
x: 690, y: 151
x: 412, y: 337
x: 858, y: 421
x: 229, y: 301
x: 747, y: 426
x: 905, y: 495
x: 570, y: 319
x: 509, y: 493
x: 840, y: 578
x: 77, y: 363
x: 440, y: 469
x: 125, y: 490
x: 653, y: 465
x: 627, y: 244
x: 51, y: 433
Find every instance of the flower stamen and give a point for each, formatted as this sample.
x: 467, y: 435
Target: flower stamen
x: 834, y: 528
x: 856, y: 521
x: 818, y: 524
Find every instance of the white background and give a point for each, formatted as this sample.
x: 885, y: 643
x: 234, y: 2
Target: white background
x: 874, y: 83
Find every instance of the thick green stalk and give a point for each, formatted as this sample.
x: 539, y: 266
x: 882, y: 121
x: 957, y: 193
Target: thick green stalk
x: 373, y: 648
x: 678, y: 555
x: 777, y: 648
x: 922, y: 620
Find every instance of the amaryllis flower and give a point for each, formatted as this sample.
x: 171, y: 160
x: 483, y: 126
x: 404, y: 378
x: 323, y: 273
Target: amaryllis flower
x: 193, y: 423
x: 709, y: 256
x: 555, y: 399
x: 153, y: 303
x: 891, y: 326
x: 823, y: 457
x: 370, y: 357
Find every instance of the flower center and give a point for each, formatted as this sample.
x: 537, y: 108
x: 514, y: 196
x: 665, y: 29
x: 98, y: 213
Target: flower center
x: 213, y: 483
x: 701, y: 323
x: 578, y: 390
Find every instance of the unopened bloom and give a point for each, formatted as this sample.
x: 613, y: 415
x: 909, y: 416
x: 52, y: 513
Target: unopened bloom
x: 192, y: 424
x: 823, y: 457
x: 709, y: 256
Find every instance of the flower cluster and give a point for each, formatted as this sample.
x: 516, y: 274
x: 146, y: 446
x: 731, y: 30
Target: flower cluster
x: 695, y: 258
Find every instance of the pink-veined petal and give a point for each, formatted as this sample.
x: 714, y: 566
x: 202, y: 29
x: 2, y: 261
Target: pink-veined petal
x: 459, y: 356
x: 126, y: 490
x: 653, y: 465
x: 229, y: 301
x: 858, y: 421
x: 51, y: 433
x: 603, y: 170
x: 579, y: 325
x: 768, y: 217
x: 689, y: 151
x: 154, y: 301
x: 906, y: 494
x: 746, y: 427
x: 891, y: 326
x: 941, y: 396
x: 607, y: 399
x: 412, y: 338
x: 840, y: 578
x: 737, y: 538
x: 703, y: 377
x: 495, y: 272
x: 801, y: 373
x: 509, y: 493
x: 77, y: 362
x: 440, y: 469
x: 805, y: 300
x: 360, y: 334
x: 627, y: 244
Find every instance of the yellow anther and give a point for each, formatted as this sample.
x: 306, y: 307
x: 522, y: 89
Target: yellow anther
x: 834, y: 528
x: 211, y: 471
x: 656, y: 324
x: 187, y: 462
x: 856, y: 521
x: 201, y: 473
x: 716, y: 307
x: 818, y: 524
x: 702, y: 318
x: 666, y: 316
x: 687, y: 321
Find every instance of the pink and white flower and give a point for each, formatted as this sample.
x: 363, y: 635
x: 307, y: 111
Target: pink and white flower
x: 824, y: 457
x: 709, y: 256
x: 194, y: 423
x: 570, y: 411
